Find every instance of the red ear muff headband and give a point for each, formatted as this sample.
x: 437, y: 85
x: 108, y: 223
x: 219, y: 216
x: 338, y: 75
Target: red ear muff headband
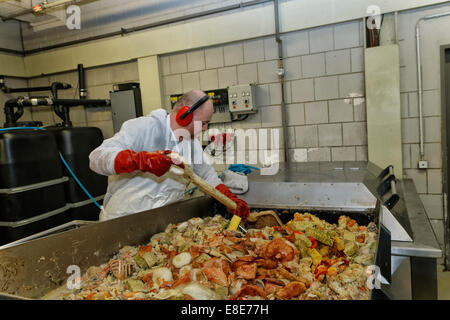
x: 185, y: 114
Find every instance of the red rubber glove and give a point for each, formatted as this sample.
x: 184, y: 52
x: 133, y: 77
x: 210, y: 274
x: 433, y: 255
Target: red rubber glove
x: 242, y: 209
x: 156, y: 162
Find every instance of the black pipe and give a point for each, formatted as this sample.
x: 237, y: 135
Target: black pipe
x: 46, y: 101
x: 81, y: 102
x: 10, y: 115
x: 6, y: 89
x: 58, y: 109
x: 60, y: 106
x: 82, y: 82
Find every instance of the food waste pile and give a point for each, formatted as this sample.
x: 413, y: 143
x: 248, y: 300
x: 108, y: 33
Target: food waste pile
x: 307, y: 258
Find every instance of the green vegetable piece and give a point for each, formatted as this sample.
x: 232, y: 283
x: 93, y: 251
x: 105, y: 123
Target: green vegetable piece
x: 304, y: 239
x: 301, y: 225
x: 350, y: 248
x: 321, y: 235
x: 202, y: 258
x: 135, y: 285
x: 349, y: 236
x: 221, y: 291
x: 302, y: 248
x: 150, y: 259
x: 140, y: 261
x: 143, y: 272
x: 185, y: 246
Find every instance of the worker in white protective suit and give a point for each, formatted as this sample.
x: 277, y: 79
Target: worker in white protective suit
x: 137, y: 158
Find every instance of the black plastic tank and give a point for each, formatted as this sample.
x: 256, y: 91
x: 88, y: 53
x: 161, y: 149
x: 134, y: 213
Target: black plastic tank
x: 31, y: 183
x: 75, y: 144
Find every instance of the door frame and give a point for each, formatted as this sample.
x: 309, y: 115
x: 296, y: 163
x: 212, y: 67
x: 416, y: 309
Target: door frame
x: 445, y: 138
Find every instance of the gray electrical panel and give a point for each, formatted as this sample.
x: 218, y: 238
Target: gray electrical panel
x: 126, y: 103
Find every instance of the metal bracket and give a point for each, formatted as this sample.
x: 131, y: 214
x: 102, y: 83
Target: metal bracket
x: 385, y: 172
x: 388, y: 184
x: 392, y: 201
x: 385, y: 186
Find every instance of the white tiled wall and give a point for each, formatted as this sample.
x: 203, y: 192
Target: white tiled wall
x: 433, y: 35
x: 325, y: 94
x: 99, y: 82
x: 324, y: 89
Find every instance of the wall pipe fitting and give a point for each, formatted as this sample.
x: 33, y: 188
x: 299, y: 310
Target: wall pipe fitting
x: 419, y: 78
x: 281, y: 76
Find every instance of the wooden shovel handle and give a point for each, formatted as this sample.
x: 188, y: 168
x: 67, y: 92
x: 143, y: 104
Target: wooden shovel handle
x: 202, y: 184
x: 208, y: 189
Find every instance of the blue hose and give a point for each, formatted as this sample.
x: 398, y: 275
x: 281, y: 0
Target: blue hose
x: 78, y: 181
x: 63, y: 161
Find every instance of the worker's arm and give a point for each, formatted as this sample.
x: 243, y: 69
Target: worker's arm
x: 101, y: 160
x: 242, y: 209
x: 123, y: 152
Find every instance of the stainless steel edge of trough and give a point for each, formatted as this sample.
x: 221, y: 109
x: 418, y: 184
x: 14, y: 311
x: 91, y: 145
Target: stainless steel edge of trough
x: 34, y: 268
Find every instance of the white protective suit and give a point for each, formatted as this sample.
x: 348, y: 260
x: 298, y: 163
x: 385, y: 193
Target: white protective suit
x: 138, y: 191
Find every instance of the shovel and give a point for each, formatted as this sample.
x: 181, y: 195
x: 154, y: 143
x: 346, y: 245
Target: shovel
x: 189, y: 173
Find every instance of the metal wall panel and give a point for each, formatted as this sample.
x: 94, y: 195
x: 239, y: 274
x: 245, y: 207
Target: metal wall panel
x: 384, y: 136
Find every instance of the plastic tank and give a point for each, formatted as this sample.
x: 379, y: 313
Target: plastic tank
x: 75, y: 144
x: 31, y: 183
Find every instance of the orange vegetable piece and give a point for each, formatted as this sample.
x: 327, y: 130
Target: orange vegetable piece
x: 129, y: 294
x: 278, y: 249
x: 224, y: 248
x: 291, y: 290
x: 270, y: 287
x: 249, y: 290
x: 143, y: 249
x: 351, y: 223
x: 91, y: 295
x: 148, y: 279
x: 361, y: 238
x: 247, y: 271
x: 267, y: 263
x: 313, y: 242
x: 216, y: 275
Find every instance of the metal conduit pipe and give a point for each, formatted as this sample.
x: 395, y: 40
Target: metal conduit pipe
x: 419, y: 77
x: 281, y: 75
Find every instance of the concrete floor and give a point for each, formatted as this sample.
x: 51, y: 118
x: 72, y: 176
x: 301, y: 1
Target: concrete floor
x: 443, y: 282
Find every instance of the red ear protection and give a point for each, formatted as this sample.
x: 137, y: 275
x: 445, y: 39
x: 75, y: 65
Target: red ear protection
x: 185, y: 114
x: 184, y: 122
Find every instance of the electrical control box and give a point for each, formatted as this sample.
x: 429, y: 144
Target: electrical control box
x: 219, y: 98
x: 241, y: 99
x: 126, y: 103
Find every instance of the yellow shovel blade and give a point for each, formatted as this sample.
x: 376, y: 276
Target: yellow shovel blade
x: 234, y: 223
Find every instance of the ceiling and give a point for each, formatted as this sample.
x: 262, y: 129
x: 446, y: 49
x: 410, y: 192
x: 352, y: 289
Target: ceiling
x: 93, y: 9
x: 97, y: 17
x: 10, y: 8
